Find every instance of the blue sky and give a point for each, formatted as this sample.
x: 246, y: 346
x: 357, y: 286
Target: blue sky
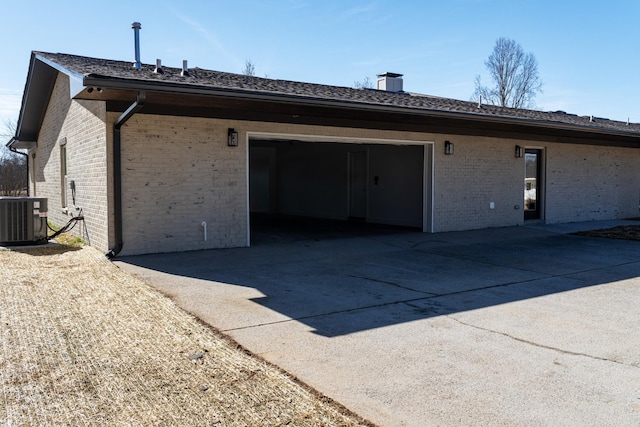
x: 588, y: 52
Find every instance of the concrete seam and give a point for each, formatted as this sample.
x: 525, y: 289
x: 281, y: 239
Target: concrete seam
x: 429, y: 294
x: 535, y: 344
x: 433, y: 296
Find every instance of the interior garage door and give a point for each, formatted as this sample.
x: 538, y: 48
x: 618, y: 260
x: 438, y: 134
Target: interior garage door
x: 376, y: 183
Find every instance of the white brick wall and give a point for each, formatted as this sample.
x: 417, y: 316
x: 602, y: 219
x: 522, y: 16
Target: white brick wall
x: 82, y: 124
x: 178, y: 172
x: 586, y: 183
x: 481, y: 171
x: 582, y: 183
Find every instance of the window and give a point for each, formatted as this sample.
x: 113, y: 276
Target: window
x: 33, y: 173
x: 63, y: 172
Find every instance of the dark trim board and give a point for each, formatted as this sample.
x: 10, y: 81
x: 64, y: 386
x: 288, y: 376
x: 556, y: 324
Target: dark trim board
x: 273, y: 112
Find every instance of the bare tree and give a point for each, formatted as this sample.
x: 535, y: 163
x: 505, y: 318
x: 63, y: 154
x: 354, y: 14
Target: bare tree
x: 7, y: 131
x: 249, y: 68
x: 366, y: 83
x: 514, y: 74
x: 13, y: 166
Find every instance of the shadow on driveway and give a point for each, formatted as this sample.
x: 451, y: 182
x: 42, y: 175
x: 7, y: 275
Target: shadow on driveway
x: 411, y: 275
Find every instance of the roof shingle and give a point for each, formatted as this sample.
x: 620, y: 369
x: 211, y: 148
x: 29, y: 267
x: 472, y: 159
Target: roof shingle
x: 203, y: 78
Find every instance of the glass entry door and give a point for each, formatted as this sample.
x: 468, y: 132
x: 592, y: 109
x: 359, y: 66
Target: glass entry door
x: 532, y: 184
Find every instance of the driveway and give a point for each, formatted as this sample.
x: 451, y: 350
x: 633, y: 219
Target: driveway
x: 507, y: 326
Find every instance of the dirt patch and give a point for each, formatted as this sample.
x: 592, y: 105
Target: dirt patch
x: 85, y: 343
x: 625, y: 232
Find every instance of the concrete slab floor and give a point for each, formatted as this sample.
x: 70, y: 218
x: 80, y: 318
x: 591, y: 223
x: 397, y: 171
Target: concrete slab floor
x: 510, y: 326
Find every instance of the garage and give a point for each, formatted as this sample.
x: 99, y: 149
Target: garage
x: 339, y: 183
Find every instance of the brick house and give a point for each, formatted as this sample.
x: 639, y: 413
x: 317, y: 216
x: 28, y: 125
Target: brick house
x: 155, y: 156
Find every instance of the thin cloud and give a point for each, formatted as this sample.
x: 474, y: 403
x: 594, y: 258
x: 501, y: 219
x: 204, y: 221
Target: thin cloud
x: 209, y: 37
x: 299, y: 5
x: 365, y: 63
x: 359, y: 11
x: 559, y: 99
x: 9, y: 104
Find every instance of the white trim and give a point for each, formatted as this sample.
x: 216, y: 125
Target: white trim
x: 427, y: 168
x: 64, y: 173
x: 246, y: 144
x: 541, y: 186
x: 331, y: 138
x: 427, y: 201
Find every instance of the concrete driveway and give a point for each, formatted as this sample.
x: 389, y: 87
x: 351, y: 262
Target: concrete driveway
x: 508, y: 326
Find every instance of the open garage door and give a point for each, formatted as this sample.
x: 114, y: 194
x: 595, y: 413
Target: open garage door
x: 388, y: 184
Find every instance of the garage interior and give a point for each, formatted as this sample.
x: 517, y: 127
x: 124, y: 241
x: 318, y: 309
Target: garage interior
x: 310, y: 189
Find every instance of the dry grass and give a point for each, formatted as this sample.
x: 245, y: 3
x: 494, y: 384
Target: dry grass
x: 625, y: 232
x: 84, y: 343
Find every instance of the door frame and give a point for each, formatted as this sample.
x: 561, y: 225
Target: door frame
x: 427, y: 168
x: 539, y: 213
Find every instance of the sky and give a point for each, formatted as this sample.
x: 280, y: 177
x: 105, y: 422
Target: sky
x: 588, y: 52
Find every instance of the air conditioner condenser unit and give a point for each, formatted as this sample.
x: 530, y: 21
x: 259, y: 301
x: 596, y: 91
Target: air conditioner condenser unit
x: 23, y: 220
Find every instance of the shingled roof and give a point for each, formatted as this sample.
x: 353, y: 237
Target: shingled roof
x: 123, y: 70
x: 86, y: 71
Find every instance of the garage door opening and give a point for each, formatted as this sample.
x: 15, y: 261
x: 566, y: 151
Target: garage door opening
x: 325, y: 189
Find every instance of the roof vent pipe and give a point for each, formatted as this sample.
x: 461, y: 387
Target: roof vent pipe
x: 185, y: 69
x: 136, y: 31
x: 158, y: 69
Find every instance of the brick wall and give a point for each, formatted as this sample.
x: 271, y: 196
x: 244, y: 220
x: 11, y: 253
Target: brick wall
x: 178, y: 172
x: 82, y: 125
x: 480, y: 171
x: 580, y: 183
x: 586, y: 183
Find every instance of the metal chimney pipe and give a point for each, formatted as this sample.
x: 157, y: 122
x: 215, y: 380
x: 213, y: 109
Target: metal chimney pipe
x: 136, y: 31
x: 185, y: 69
x: 158, y: 69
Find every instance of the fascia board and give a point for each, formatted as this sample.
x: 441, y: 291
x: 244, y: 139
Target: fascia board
x: 178, y: 88
x: 75, y: 79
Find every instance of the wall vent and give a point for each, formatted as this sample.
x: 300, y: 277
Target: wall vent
x: 23, y: 220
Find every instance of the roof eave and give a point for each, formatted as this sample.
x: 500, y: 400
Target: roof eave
x: 16, y: 144
x: 181, y: 88
x: 75, y: 78
x: 41, y: 79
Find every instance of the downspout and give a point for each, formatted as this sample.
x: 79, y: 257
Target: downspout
x: 117, y: 171
x: 26, y: 155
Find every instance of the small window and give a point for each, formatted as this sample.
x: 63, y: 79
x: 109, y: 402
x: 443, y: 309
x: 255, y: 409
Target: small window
x: 63, y: 172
